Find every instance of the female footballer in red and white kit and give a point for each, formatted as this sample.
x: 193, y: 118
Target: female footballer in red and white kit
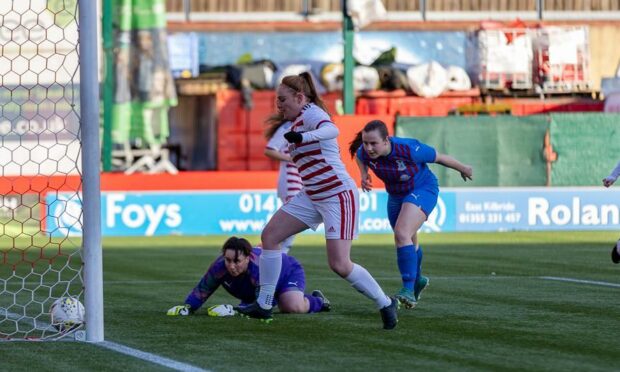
x: 329, y: 196
x: 289, y: 180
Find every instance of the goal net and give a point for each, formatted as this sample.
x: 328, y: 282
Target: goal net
x: 42, y: 188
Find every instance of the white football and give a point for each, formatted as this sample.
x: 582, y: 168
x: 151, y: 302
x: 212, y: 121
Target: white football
x: 67, y: 313
x: 221, y: 310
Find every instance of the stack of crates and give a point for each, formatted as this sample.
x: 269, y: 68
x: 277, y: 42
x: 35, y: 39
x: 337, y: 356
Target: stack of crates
x: 544, y: 60
x: 503, y: 59
x: 562, y: 59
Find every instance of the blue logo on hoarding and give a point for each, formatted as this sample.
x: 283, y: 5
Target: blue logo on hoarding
x: 437, y: 218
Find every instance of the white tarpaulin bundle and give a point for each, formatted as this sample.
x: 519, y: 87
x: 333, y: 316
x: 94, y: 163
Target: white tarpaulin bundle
x: 364, y: 12
x: 428, y: 80
x: 458, y: 79
x: 364, y: 77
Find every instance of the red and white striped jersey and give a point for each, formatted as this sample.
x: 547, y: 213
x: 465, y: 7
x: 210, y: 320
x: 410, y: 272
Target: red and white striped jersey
x: 289, y: 180
x: 318, y: 155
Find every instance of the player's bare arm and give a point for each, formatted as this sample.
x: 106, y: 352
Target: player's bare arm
x: 466, y: 171
x: 276, y: 155
x: 364, y: 175
x: 613, y: 176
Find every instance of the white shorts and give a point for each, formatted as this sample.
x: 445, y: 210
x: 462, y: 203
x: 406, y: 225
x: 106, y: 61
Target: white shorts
x: 339, y: 213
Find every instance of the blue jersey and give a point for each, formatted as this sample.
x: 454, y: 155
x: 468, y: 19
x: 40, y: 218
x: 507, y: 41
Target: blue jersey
x: 404, y: 168
x: 243, y: 287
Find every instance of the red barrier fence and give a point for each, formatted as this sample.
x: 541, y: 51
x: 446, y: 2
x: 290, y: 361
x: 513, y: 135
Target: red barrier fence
x: 241, y: 141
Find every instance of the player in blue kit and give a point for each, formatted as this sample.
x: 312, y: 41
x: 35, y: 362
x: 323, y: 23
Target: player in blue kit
x: 237, y: 271
x: 401, y: 163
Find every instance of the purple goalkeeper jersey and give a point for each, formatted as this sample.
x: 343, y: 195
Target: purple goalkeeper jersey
x: 404, y: 168
x: 245, y: 286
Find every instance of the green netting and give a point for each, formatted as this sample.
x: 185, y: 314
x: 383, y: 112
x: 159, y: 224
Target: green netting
x: 588, y: 147
x: 503, y: 150
x: 143, y: 89
x: 137, y: 120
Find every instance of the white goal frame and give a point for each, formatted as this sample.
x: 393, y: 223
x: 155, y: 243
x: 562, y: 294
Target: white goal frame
x: 91, y: 166
x: 50, y: 148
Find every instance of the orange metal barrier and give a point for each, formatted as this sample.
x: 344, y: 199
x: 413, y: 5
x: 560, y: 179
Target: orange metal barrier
x: 241, y: 140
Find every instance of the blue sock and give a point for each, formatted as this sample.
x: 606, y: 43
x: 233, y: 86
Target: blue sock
x: 407, y: 265
x: 316, y: 303
x: 420, y: 257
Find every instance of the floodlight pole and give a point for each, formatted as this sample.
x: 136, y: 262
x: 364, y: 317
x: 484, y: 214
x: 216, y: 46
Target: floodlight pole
x: 540, y: 8
x: 348, y: 32
x: 187, y: 9
x: 91, y: 160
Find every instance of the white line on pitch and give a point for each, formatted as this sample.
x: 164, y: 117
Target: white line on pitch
x: 162, y: 361
x: 324, y: 279
x: 580, y: 281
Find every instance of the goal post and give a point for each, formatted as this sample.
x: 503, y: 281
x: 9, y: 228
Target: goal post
x: 91, y: 165
x: 50, y: 203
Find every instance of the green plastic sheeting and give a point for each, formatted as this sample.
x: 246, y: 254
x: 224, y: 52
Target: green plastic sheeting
x: 503, y: 150
x: 143, y: 88
x: 141, y: 14
x: 588, y: 148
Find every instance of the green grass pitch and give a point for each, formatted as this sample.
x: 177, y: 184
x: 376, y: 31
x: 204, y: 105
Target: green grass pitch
x: 488, y: 307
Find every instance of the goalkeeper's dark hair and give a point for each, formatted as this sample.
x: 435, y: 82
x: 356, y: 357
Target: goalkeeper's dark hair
x: 377, y: 125
x: 239, y: 245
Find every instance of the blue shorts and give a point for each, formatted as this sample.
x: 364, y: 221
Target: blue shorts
x: 293, y: 280
x: 425, y: 198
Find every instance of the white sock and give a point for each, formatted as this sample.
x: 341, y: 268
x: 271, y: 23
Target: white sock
x: 361, y: 280
x: 270, y: 262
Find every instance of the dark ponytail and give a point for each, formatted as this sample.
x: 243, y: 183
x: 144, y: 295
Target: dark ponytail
x: 355, y: 144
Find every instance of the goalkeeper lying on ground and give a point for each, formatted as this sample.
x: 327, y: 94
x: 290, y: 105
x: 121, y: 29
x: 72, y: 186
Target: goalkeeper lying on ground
x: 237, y: 271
